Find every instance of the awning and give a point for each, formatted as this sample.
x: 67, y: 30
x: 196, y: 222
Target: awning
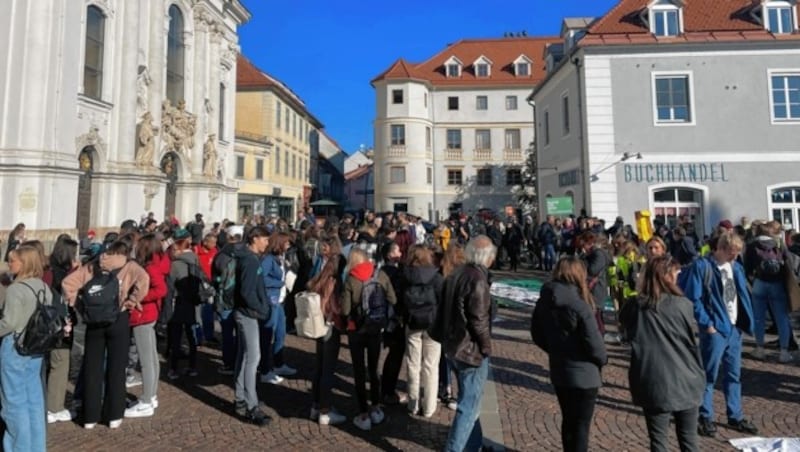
x: 323, y: 203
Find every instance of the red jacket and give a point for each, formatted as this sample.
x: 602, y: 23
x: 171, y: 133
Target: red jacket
x: 157, y: 269
x: 206, y: 257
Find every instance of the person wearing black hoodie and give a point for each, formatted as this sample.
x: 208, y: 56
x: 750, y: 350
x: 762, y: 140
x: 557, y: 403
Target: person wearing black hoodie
x: 563, y: 325
x: 251, y: 307
x: 422, y: 295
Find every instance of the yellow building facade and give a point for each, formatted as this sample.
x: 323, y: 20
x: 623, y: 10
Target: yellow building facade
x: 273, y: 145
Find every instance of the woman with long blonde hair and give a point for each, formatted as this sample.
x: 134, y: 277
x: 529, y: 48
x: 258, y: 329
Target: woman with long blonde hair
x: 564, y: 326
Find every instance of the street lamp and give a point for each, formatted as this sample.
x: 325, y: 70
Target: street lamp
x: 625, y: 157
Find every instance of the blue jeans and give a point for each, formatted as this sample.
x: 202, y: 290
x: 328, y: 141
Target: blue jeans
x: 274, y: 336
x: 772, y: 294
x: 465, y: 433
x: 228, y: 326
x: 549, y: 256
x: 22, y: 399
x: 717, y: 350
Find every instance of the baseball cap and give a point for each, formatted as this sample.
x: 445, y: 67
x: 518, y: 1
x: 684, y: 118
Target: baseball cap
x: 181, y: 234
x: 235, y: 230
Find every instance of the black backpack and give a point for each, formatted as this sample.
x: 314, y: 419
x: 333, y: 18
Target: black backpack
x: 99, y: 298
x: 374, y: 307
x: 420, y: 301
x: 200, y: 282
x: 223, y: 274
x: 45, y: 327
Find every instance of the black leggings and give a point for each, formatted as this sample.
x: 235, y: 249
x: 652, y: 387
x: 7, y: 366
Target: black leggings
x: 577, y: 409
x: 105, y: 358
x: 372, y: 344
x: 175, y: 330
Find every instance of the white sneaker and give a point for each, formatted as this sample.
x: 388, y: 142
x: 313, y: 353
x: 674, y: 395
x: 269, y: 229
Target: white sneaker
x: 271, y: 378
x: 413, y: 407
x: 154, y: 401
x: 377, y: 416
x: 284, y: 371
x: 59, y: 416
x: 785, y: 356
x: 140, y: 409
x: 115, y: 423
x: 331, y: 418
x: 90, y: 425
x: 364, y: 423
x: 759, y: 353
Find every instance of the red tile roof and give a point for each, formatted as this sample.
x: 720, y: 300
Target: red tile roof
x: 501, y: 51
x: 704, y: 20
x: 358, y: 172
x: 251, y: 78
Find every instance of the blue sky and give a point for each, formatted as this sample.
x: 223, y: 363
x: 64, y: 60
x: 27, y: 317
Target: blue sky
x: 328, y: 51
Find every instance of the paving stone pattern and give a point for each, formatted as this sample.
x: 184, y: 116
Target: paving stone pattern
x: 197, y: 413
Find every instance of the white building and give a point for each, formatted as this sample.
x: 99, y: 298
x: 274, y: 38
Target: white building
x: 451, y: 133
x: 113, y: 108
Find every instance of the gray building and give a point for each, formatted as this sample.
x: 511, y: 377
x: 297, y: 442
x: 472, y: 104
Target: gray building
x: 679, y: 108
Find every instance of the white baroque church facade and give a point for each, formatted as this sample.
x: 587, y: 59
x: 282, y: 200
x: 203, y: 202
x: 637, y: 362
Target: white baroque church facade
x: 111, y: 108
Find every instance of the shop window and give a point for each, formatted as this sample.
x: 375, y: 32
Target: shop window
x: 670, y: 204
x: 784, y: 206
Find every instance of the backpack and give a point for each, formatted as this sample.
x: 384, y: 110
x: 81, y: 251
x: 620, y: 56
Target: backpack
x: 374, y: 307
x: 310, y: 320
x: 223, y: 273
x: 420, y: 302
x: 45, y: 327
x: 205, y: 290
x: 770, y: 257
x: 99, y: 298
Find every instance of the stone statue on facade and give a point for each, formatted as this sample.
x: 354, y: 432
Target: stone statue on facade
x: 143, y: 81
x: 145, y: 141
x: 178, y: 128
x: 210, y: 156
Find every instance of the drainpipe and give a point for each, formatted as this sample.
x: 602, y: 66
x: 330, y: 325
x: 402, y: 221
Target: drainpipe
x: 584, y: 152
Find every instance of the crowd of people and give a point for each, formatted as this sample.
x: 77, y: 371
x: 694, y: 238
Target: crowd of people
x: 392, y: 282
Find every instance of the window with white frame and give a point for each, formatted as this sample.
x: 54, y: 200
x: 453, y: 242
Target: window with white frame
x: 453, y: 138
x: 397, y: 96
x: 665, y: 19
x: 287, y: 121
x: 523, y: 69
x: 779, y: 17
x: 453, y: 70
x: 175, y: 56
x: 259, y: 169
x: 784, y: 206
x: 672, y: 98
x: 482, y: 70
x: 455, y: 177
x: 93, y: 58
x: 239, y: 166
x: 785, y: 97
x: 484, y: 177
x: 398, y: 135
x: 278, y: 114
x: 452, y: 103
x: 397, y: 174
x: 483, y: 139
x: 511, y: 102
x: 294, y: 166
x: 512, y: 139
x: 546, y: 127
x: 482, y: 103
x: 286, y: 163
x: 277, y: 160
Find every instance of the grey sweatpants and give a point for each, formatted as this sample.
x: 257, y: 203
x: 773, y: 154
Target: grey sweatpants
x: 247, y: 358
x: 145, y: 337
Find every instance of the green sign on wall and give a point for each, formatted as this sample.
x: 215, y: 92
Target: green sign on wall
x: 560, y: 206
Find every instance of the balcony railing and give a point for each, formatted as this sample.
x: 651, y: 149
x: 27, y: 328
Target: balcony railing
x: 453, y: 154
x: 482, y: 154
x: 396, y: 151
x: 512, y: 154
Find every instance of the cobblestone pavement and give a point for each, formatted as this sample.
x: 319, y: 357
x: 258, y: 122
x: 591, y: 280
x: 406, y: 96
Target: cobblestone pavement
x: 197, y: 413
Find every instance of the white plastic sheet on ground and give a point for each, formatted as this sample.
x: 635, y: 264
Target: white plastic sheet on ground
x: 758, y: 444
x: 516, y: 294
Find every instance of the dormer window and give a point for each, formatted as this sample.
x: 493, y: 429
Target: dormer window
x: 522, y: 66
x: 665, y: 18
x: 483, y: 67
x: 779, y: 17
x: 452, y: 67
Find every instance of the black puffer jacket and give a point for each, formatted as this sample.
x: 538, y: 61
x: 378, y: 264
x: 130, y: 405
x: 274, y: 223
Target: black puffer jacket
x: 564, y: 326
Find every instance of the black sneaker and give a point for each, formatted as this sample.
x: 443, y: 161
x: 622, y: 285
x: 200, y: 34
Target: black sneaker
x: 705, y: 427
x: 241, y: 408
x: 743, y: 425
x: 258, y: 417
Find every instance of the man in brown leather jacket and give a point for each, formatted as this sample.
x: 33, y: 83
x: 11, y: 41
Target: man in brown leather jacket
x: 463, y: 327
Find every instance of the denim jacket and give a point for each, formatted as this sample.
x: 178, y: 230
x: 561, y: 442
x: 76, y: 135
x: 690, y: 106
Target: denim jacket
x: 272, y: 272
x: 710, y: 309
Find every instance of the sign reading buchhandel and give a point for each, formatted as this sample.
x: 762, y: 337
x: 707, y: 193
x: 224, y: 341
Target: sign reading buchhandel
x: 674, y: 172
x: 560, y: 206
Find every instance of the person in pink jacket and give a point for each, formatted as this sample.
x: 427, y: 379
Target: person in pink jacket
x: 106, y: 348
